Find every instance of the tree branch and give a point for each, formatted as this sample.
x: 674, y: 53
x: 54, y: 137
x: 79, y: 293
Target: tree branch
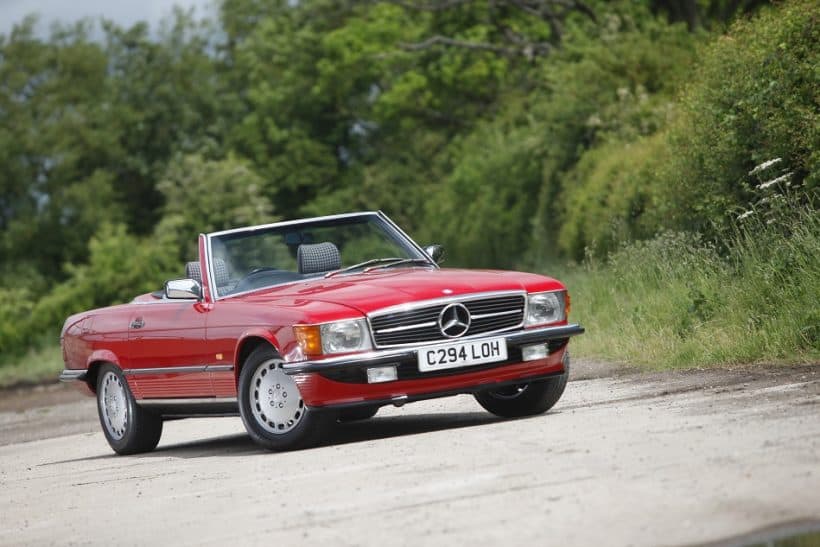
x: 440, y: 6
x: 445, y: 41
x: 552, y: 12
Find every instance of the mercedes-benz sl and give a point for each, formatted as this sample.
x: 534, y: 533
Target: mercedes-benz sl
x: 296, y: 325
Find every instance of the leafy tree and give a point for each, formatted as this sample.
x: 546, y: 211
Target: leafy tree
x: 208, y: 195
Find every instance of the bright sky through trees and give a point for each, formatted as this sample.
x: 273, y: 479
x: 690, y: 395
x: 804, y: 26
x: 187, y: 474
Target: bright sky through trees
x: 122, y: 12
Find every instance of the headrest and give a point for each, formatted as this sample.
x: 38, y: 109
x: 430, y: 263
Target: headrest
x: 193, y: 271
x: 318, y: 257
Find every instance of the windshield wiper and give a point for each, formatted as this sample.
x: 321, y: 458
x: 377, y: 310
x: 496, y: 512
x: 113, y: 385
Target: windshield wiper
x: 398, y: 263
x: 367, y: 263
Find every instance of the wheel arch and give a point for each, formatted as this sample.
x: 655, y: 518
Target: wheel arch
x: 94, y: 362
x: 247, y: 344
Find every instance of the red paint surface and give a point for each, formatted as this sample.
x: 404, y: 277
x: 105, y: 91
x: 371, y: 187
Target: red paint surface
x: 319, y: 391
x: 188, y: 333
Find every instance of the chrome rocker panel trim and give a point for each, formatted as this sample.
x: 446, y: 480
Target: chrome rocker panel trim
x: 179, y: 369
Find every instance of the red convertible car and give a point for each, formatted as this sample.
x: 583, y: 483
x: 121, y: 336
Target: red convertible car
x: 296, y: 325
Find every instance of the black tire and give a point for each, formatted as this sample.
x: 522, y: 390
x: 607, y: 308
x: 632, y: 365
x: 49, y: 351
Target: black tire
x: 290, y: 427
x: 526, y: 399
x: 357, y: 413
x: 128, y: 428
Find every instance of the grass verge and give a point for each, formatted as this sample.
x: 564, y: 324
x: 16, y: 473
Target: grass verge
x: 36, y: 366
x: 676, y: 302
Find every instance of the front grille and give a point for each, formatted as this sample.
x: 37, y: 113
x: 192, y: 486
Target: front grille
x: 419, y: 325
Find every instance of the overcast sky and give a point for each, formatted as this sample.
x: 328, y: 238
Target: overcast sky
x: 124, y: 12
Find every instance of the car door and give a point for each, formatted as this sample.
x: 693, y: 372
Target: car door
x: 226, y: 325
x: 167, y: 350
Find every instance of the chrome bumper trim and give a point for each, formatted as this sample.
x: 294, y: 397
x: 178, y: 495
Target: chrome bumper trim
x: 372, y: 358
x: 71, y: 375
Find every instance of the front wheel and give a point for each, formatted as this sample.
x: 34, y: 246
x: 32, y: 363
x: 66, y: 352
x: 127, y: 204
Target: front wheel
x: 357, y: 413
x: 526, y: 399
x: 128, y: 428
x: 272, y: 408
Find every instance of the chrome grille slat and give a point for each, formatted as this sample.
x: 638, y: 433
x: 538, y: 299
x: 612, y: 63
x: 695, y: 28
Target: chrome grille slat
x: 407, y: 327
x: 496, y: 314
x: 407, y: 320
x: 489, y: 314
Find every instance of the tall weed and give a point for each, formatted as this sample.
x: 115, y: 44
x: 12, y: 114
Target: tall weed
x: 676, y: 301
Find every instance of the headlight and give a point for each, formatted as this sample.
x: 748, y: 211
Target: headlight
x: 337, y: 337
x: 345, y: 336
x: 546, y: 307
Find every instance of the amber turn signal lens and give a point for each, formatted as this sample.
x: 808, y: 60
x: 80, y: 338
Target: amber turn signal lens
x: 309, y: 339
x: 566, y: 305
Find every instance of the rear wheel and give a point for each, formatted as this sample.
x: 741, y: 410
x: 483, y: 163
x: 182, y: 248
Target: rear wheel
x: 128, y: 428
x: 525, y: 399
x: 271, y: 406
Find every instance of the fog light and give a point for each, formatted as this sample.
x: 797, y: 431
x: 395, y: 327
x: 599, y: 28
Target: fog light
x: 376, y: 375
x: 536, y: 351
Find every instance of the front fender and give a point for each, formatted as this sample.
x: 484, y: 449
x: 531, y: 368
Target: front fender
x: 105, y: 355
x: 249, y: 340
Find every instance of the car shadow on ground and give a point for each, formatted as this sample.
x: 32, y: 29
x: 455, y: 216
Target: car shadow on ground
x: 379, y: 427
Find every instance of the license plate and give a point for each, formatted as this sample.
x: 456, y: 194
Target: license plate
x: 462, y: 354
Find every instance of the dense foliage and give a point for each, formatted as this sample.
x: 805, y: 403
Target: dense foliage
x: 676, y: 301
x: 512, y: 132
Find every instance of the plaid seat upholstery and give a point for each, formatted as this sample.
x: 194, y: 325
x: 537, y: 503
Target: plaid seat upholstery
x: 193, y: 271
x: 318, y: 257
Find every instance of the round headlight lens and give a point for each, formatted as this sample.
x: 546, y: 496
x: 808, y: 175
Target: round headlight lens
x: 345, y: 336
x: 545, y: 307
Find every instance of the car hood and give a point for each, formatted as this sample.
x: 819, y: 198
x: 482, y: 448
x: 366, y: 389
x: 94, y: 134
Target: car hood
x: 372, y: 291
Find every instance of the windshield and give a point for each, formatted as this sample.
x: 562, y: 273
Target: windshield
x: 245, y: 260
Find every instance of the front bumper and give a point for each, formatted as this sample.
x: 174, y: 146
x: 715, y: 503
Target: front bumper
x: 72, y: 375
x: 342, y: 381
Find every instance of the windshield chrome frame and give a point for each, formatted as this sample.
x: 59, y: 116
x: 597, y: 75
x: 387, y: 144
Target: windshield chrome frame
x: 209, y: 250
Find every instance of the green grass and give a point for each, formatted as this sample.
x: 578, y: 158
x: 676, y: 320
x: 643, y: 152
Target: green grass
x: 35, y: 366
x: 676, y: 302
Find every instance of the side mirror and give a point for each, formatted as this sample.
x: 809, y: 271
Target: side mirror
x: 436, y: 252
x: 183, y: 289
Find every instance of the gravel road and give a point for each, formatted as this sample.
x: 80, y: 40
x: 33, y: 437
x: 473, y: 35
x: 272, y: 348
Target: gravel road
x: 623, y: 459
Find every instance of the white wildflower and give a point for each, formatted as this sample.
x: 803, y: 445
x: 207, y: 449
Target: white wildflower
x: 781, y: 178
x: 746, y: 214
x: 594, y: 121
x: 765, y: 165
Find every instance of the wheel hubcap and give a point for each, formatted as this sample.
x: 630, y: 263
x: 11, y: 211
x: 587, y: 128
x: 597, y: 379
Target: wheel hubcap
x: 276, y: 403
x: 114, y: 405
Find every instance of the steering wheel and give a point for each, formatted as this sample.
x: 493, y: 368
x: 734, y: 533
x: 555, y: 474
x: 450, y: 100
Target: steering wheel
x: 256, y: 271
x: 245, y: 282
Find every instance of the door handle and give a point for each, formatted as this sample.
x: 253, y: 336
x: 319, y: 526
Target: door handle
x: 137, y: 323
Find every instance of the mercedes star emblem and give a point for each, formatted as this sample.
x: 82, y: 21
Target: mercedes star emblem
x: 454, y: 320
